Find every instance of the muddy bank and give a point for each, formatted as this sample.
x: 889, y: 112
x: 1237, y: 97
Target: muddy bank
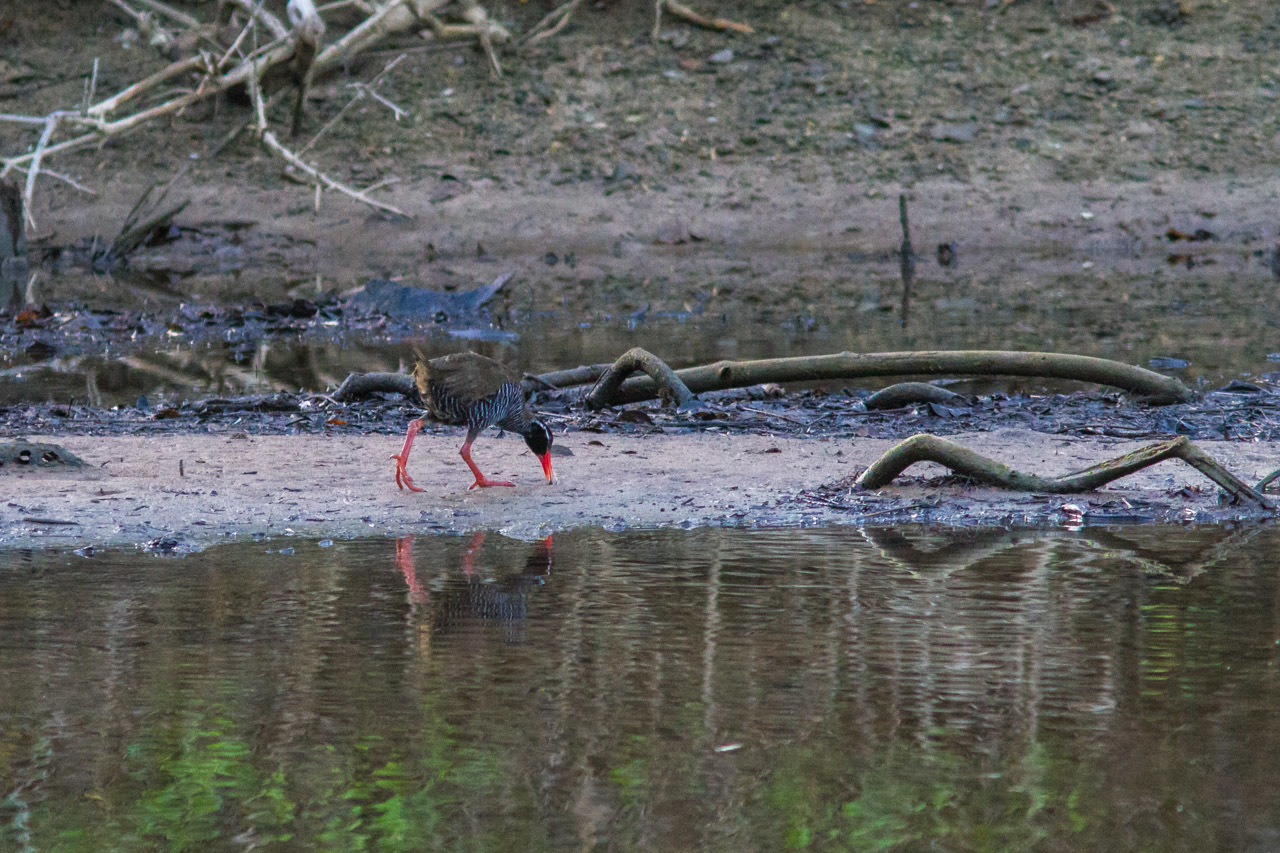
x: 189, y: 491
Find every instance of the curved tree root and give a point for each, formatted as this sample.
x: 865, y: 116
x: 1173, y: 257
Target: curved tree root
x: 607, y: 386
x: 961, y: 460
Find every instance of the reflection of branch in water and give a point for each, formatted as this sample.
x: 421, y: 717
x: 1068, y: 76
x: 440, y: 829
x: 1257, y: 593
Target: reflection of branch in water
x: 1174, y: 560
x: 916, y: 554
x: 501, y: 597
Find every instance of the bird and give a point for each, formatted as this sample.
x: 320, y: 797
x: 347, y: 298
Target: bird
x: 471, y: 390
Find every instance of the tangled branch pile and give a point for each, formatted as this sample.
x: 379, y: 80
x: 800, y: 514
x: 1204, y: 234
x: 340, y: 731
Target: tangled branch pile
x: 246, y: 46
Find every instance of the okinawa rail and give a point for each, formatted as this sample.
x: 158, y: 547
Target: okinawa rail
x: 466, y: 389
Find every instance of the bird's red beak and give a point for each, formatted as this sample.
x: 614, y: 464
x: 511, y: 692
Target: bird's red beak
x: 545, y: 459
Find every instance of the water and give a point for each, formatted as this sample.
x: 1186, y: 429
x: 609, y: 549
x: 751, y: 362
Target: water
x: 1219, y: 316
x: 716, y: 689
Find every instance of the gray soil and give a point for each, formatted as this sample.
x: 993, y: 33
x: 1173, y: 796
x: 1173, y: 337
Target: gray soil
x: 673, y: 177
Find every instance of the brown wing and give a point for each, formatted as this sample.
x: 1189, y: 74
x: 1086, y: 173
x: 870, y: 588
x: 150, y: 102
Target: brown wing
x: 451, y: 384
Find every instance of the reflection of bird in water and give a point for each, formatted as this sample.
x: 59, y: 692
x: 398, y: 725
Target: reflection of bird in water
x: 477, y: 392
x: 503, y: 598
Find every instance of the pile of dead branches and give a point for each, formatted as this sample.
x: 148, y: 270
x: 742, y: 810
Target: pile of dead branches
x: 247, y: 46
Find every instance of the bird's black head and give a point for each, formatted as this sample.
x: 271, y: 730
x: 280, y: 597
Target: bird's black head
x: 538, y: 437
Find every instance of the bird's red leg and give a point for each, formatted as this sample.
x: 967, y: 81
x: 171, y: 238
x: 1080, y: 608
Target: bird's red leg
x: 402, y: 458
x: 481, y: 481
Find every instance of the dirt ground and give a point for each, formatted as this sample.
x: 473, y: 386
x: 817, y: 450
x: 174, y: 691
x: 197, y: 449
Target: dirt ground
x: 188, y: 492
x: 708, y: 168
x: 1065, y: 155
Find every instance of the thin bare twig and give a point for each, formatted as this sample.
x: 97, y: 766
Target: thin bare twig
x: 50, y: 125
x: 682, y: 11
x: 270, y: 21
x: 269, y: 139
x: 66, y: 179
x: 552, y: 23
x: 170, y: 13
x: 361, y: 91
x: 191, y: 63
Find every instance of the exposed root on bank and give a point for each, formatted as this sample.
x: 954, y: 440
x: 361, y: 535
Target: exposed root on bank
x: 636, y: 359
x: 967, y: 463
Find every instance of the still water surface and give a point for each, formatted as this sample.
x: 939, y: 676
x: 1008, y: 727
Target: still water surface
x: 666, y: 690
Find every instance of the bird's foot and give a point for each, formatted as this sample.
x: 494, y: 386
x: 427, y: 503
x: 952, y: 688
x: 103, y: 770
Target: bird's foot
x: 402, y: 475
x: 483, y: 483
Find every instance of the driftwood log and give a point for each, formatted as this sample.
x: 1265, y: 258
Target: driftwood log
x: 1153, y: 387
x: 906, y: 393
x: 967, y: 463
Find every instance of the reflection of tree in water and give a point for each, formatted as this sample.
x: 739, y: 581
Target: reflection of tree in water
x: 492, y: 593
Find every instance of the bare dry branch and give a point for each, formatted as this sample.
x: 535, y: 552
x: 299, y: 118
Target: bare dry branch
x: 33, y: 171
x: 682, y: 11
x: 269, y: 139
x: 276, y: 27
x: 552, y: 23
x: 169, y: 12
x: 192, y: 63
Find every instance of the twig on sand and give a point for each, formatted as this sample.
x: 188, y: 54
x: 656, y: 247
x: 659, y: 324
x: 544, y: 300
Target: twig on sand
x: 967, y: 463
x: 555, y: 21
x: 682, y: 11
x: 361, y: 90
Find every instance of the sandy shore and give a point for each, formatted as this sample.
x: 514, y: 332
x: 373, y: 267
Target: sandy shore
x: 198, y: 490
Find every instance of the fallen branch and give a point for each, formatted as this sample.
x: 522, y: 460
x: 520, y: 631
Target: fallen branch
x: 905, y: 393
x: 557, y: 379
x: 363, y: 384
x: 635, y: 359
x: 1156, y: 388
x: 50, y: 124
x: 967, y: 463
